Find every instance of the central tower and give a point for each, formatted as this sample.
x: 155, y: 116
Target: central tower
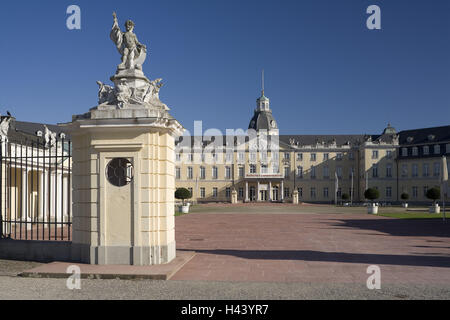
x: 263, y: 119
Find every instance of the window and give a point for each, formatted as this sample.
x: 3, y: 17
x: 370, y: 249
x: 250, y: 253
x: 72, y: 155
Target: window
x: 300, y: 172
x: 202, y: 193
x: 263, y: 156
x: 313, y: 172
x: 389, y: 170
x: 415, y: 151
x: 425, y: 189
x: 214, y: 156
x: 339, y: 192
x: 190, y: 173
x: 191, y: 157
x: 339, y: 172
x: 351, y: 156
x: 253, y: 156
x: 177, y: 173
x: 252, y: 168
x: 287, y: 155
x: 426, y: 150
x: 388, y: 192
x: 339, y: 156
x: 286, y: 172
x: 415, y: 192
x: 313, y: 157
x: 325, y: 192
x: 203, y: 157
x: 202, y: 173
x: 313, y: 193
x: 351, y: 172
x: 228, y: 192
x: 178, y: 157
x: 404, y: 170
x: 374, y: 154
x: 426, y: 170
x: 447, y: 148
x: 264, y: 169
x: 299, y: 156
x: 191, y: 191
x: 437, y: 149
x: 241, y: 193
x: 374, y: 171
x: 300, y: 192
x: 389, y: 154
x: 275, y: 168
x: 286, y: 193
x: 275, y: 155
x: 241, y: 172
x: 215, y: 192
x: 326, y: 172
x: 241, y: 157
x: 229, y: 156
x: 404, y: 152
x: 326, y: 156
x: 227, y: 172
x: 436, y: 169
x: 415, y: 170
x: 214, y: 172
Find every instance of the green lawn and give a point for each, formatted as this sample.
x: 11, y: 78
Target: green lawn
x: 414, y: 215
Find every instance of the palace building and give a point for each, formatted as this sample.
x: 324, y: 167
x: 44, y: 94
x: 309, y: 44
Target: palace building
x: 266, y: 166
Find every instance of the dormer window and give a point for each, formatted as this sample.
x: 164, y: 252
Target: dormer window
x: 431, y: 137
x: 437, y: 149
x: 409, y: 139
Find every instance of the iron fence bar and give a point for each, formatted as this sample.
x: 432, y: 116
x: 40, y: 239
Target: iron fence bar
x: 69, y: 191
x: 9, y: 190
x: 16, y: 190
x: 44, y: 185
x: 56, y: 189
x: 62, y: 188
x: 49, y: 194
x: 25, y: 196
x: 1, y: 190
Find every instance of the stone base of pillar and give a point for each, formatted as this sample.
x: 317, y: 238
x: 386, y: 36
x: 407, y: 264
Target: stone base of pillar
x: 295, y: 197
x: 123, y: 255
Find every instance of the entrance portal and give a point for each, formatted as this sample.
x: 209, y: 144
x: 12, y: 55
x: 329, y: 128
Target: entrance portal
x: 275, y: 194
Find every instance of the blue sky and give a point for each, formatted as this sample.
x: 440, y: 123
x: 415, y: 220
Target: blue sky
x: 325, y: 71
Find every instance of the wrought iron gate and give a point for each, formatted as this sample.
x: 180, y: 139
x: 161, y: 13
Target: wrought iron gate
x: 35, y: 195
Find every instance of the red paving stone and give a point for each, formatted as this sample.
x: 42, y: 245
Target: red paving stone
x: 313, y: 248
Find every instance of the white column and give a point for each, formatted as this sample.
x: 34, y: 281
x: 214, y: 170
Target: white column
x: 24, y: 188
x: 41, y: 194
x: 270, y: 191
x: 282, y: 191
x: 257, y: 191
x: 246, y: 191
x: 51, y: 205
x: 59, y: 189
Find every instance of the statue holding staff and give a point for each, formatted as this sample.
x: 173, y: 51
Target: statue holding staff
x: 133, y: 52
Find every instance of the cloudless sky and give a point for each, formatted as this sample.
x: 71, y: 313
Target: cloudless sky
x: 325, y: 71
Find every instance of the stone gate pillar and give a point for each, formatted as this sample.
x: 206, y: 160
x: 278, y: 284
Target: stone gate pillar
x: 123, y: 170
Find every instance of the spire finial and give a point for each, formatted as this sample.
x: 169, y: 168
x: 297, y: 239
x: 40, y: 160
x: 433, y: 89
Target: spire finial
x: 262, y: 83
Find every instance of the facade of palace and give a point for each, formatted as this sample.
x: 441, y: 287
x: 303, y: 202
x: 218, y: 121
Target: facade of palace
x: 266, y: 166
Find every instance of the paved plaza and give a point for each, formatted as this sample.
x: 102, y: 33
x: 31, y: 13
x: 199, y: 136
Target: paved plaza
x: 278, y: 252
x: 310, y: 247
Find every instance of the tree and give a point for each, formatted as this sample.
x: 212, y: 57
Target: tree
x: 182, y: 194
x: 404, y: 196
x: 434, y: 194
x: 345, y: 196
x: 371, y: 194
